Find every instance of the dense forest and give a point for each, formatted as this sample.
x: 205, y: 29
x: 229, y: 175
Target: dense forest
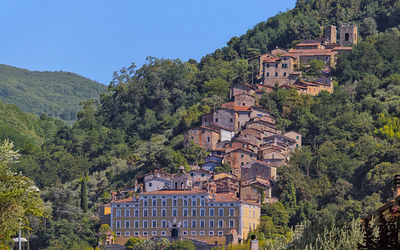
x: 343, y: 171
x: 56, y: 94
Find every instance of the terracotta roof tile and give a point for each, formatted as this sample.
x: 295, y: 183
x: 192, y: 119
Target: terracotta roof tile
x: 172, y: 191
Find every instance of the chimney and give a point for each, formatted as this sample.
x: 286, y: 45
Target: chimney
x: 396, y: 186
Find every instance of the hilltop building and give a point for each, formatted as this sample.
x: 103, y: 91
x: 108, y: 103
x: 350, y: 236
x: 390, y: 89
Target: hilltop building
x: 281, y: 67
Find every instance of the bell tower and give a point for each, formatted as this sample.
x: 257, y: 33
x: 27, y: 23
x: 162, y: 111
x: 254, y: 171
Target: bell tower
x: 348, y: 34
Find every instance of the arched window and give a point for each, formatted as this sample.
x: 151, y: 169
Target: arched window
x: 181, y: 184
x: 346, y: 37
x: 176, y: 185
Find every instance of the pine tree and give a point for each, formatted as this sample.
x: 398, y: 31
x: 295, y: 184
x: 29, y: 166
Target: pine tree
x: 84, y: 198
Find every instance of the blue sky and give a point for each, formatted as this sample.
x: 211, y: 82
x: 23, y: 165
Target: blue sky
x: 96, y: 38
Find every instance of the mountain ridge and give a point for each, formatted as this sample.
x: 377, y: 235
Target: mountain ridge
x: 55, y: 93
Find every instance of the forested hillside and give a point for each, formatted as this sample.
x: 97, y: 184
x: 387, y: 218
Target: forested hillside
x: 56, y: 94
x: 351, y: 138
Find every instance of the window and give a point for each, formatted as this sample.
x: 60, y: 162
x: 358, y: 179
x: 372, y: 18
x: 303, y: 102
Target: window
x: 254, y: 214
x: 163, y: 212
x: 202, y: 233
x: 193, y: 233
x: 202, y: 201
x: 232, y: 118
x: 211, y: 233
x: 153, y: 223
x: 220, y: 223
x: 220, y: 232
x: 145, y: 212
x: 231, y: 223
x: 127, y: 212
x: 276, y: 74
x: 150, y: 184
x: 153, y: 233
x: 211, y: 212
x: 211, y: 223
x: 250, y: 226
x: 118, y: 233
x: 193, y: 224
x: 267, y: 74
x: 208, y: 139
x: 118, y: 213
x: 231, y: 212
x: 194, y: 212
x: 145, y: 233
x: 216, y: 119
x: 185, y: 212
x: 205, y: 119
x: 145, y: 203
x: 284, y: 73
x: 174, y: 212
x: 276, y: 65
x: 185, y: 224
x: 136, y: 224
x: 136, y: 214
x: 163, y: 223
x: 164, y: 203
x: 221, y: 211
x: 297, y: 137
x: 154, y: 212
x: 136, y: 233
x: 154, y: 202
x: 297, y: 145
x: 174, y: 203
x: 127, y: 233
x: 163, y: 233
x: 202, y: 212
x: 347, y: 37
x: 185, y: 202
x: 202, y: 224
x: 127, y: 224
x: 185, y: 233
x: 194, y: 203
x: 118, y: 224
x: 145, y: 224
x: 242, y: 156
x: 267, y: 65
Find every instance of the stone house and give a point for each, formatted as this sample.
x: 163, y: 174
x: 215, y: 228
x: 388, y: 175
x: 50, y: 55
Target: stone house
x: 295, y: 136
x: 205, y: 137
x: 153, y: 181
x: 280, y: 70
x: 281, y: 141
x: 312, y: 87
x: 200, y: 178
x: 236, y: 143
x: 244, y: 100
x: 272, y: 153
x: 237, y: 158
x: 227, y: 184
x: 223, y: 117
x: 239, y: 88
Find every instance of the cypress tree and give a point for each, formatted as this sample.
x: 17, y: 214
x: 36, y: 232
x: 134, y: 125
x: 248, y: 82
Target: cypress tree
x: 84, y: 199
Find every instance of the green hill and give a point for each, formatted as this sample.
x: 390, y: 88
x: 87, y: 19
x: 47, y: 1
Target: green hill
x: 27, y: 131
x: 57, y: 94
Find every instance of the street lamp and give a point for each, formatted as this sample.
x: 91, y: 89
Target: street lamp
x: 20, y: 239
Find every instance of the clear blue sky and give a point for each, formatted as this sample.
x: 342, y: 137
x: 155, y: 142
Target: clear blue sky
x: 94, y: 38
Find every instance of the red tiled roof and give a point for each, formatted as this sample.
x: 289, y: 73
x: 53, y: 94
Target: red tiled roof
x: 172, y: 191
x: 225, y: 197
x: 272, y: 60
x: 313, y: 52
x: 342, y: 48
x: 208, y: 128
x: 241, y: 149
x: 123, y: 200
x: 308, y: 44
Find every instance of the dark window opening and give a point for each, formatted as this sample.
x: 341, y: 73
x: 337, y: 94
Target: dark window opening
x: 347, y: 37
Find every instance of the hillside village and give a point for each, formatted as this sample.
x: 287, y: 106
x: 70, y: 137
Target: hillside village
x: 217, y: 208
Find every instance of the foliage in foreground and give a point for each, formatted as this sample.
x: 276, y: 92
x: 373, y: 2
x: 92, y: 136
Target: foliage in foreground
x: 19, y: 198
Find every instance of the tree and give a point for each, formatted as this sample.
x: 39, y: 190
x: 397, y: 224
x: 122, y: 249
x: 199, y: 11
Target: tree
x: 132, y: 243
x: 84, y: 195
x: 19, y: 198
x: 218, y: 87
x: 181, y: 245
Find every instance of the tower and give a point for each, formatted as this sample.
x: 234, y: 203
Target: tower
x: 329, y: 32
x: 348, y: 34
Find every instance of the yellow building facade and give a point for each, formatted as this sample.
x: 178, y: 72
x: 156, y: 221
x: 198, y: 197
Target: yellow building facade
x: 194, y: 214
